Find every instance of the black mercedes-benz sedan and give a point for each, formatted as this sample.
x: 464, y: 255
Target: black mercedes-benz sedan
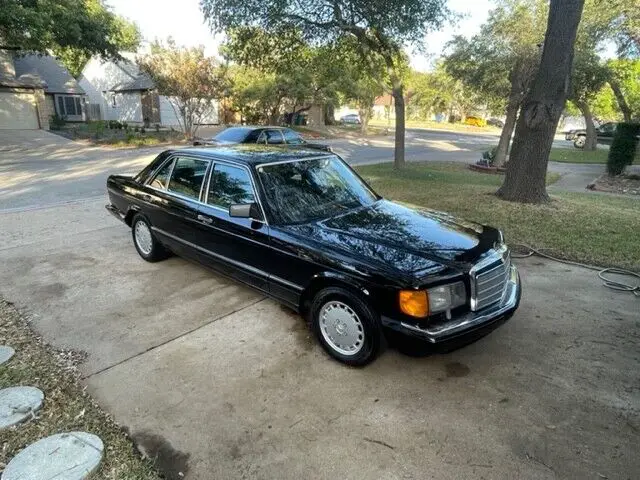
x: 302, y: 227
x: 281, y: 136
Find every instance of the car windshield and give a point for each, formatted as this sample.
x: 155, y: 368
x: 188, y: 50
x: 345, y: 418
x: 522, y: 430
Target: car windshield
x: 306, y: 190
x: 232, y: 135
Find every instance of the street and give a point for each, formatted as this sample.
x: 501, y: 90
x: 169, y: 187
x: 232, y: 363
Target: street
x: 221, y: 382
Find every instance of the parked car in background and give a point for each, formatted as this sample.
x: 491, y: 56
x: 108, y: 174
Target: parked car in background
x: 351, y: 119
x: 475, y: 121
x: 260, y: 135
x: 495, y: 122
x: 604, y: 133
x: 302, y: 227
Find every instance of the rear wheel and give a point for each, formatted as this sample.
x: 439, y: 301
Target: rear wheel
x: 347, y: 327
x: 580, y: 141
x: 145, y: 242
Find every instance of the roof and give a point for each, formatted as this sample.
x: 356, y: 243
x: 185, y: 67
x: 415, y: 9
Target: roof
x: 141, y: 82
x: 47, y: 69
x: 257, y: 154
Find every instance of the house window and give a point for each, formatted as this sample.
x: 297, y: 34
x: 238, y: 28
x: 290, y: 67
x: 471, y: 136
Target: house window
x: 69, y: 105
x: 113, y: 100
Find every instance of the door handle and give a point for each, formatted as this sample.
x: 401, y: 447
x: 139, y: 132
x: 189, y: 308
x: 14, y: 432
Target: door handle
x: 207, y: 220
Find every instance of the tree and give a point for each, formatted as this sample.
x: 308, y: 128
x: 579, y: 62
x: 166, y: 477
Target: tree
x: 541, y: 109
x: 624, y: 79
x: 501, y: 61
x: 190, y: 80
x: 73, y: 29
x: 589, y: 76
x: 305, y: 74
x: 381, y: 28
x: 125, y: 36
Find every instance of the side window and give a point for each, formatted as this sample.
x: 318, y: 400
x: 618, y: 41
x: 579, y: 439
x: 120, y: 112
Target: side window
x: 292, y: 138
x: 229, y: 185
x: 161, y: 178
x: 187, y: 177
x: 274, y: 137
x: 263, y: 137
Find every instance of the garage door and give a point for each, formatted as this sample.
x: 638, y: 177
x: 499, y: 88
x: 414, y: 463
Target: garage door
x: 17, y: 111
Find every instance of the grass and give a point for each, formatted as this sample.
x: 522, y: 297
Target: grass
x: 98, y: 134
x: 457, y: 127
x: 67, y: 407
x: 596, y: 229
x: 574, y: 155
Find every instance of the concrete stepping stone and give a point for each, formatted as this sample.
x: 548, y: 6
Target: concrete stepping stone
x: 6, y: 353
x: 65, y: 456
x: 17, y: 404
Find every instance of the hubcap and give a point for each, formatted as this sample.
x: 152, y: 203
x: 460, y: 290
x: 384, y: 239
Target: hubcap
x: 341, y: 328
x: 143, y: 237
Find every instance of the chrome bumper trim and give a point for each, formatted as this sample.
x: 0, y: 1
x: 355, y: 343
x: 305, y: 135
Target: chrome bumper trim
x: 473, y: 320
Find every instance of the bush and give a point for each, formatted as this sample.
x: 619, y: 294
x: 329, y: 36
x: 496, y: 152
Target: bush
x: 136, y: 129
x: 56, y: 122
x: 623, y: 148
x: 488, y: 157
x: 125, y: 125
x: 475, y: 122
x: 143, y: 130
x: 96, y: 128
x: 157, y: 127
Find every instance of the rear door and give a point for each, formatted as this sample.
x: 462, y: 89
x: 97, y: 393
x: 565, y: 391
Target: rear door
x: 176, y: 192
x: 237, y: 246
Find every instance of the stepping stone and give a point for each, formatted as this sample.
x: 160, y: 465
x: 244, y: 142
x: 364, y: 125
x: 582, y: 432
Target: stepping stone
x: 6, y: 353
x: 17, y: 404
x: 65, y: 456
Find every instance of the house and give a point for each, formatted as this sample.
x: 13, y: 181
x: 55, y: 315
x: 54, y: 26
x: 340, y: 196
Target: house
x: 35, y: 87
x: 117, y: 90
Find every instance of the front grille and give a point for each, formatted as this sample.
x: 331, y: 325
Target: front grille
x: 489, y: 283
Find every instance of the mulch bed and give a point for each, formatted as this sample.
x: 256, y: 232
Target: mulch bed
x: 481, y: 168
x: 622, y: 184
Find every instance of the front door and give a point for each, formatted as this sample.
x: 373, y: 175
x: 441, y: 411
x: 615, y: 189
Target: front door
x: 238, y: 247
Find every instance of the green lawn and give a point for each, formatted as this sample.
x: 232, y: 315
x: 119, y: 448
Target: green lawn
x: 458, y: 127
x: 574, y: 155
x: 597, y: 229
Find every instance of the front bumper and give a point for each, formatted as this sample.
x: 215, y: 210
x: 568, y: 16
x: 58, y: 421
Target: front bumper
x: 115, y: 212
x: 468, y: 323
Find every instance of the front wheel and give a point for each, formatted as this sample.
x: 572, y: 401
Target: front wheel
x: 145, y: 242
x: 347, y: 327
x: 580, y: 141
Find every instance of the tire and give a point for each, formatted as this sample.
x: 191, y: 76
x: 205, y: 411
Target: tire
x: 147, y: 245
x: 580, y: 141
x: 335, y: 310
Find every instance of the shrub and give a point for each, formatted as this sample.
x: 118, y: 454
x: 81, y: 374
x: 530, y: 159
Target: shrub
x: 475, y: 121
x: 623, y: 148
x: 136, y: 129
x: 56, y: 122
x: 125, y: 125
x: 143, y: 130
x: 488, y: 157
x: 157, y: 127
x: 96, y: 129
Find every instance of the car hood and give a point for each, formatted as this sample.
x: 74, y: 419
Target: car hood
x: 411, y: 240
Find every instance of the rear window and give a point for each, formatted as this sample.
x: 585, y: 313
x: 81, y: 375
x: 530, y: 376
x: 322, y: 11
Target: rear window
x: 234, y: 134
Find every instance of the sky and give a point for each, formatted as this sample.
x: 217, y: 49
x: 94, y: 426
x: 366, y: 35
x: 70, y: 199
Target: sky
x: 183, y: 20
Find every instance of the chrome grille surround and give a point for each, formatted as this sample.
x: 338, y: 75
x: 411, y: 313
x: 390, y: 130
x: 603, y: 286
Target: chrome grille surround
x: 489, y: 278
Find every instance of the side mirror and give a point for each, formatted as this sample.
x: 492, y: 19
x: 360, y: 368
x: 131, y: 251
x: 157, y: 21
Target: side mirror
x: 245, y: 210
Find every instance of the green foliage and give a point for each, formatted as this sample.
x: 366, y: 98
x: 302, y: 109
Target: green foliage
x: 627, y: 74
x: 56, y: 122
x: 623, y: 148
x: 488, y: 157
x: 188, y: 77
x: 73, y: 29
x: 502, y: 59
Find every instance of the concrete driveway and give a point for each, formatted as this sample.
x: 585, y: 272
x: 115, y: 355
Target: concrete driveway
x: 217, y: 381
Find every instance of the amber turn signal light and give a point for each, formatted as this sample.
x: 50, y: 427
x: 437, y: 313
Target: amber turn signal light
x: 414, y: 303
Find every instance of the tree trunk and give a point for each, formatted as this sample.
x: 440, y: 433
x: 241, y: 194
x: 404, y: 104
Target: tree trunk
x: 622, y: 102
x: 365, y: 115
x: 525, y: 180
x: 507, y: 131
x: 398, y: 100
x: 591, y: 141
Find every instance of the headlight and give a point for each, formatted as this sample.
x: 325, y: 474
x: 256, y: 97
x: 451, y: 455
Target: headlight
x: 446, y: 297
x: 421, y: 303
